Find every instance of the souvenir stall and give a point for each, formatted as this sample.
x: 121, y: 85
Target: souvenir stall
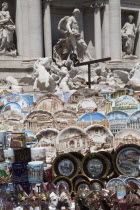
x: 73, y: 160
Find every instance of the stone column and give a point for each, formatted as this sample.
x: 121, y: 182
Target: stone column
x: 105, y: 32
x: 97, y: 34
x: 29, y: 28
x: 47, y: 29
x: 115, y: 29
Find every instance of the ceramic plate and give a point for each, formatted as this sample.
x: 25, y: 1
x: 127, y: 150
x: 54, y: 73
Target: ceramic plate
x: 127, y: 160
x: 95, y: 166
x: 118, y: 186
x: 65, y: 165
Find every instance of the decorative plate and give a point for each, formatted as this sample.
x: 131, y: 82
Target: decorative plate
x: 118, y: 186
x: 82, y: 185
x: 78, y: 178
x: 136, y: 181
x: 95, y: 166
x: 79, y: 158
x: 93, y: 118
x: 127, y: 160
x: 96, y: 185
x: 127, y: 136
x: 117, y: 120
x: 63, y: 180
x: 109, y: 158
x: 65, y: 165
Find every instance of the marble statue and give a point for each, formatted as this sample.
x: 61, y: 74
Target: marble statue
x: 48, y: 76
x: 73, y: 42
x: 43, y: 79
x: 129, y: 32
x: 7, y: 29
x: 134, y: 81
x: 11, y: 85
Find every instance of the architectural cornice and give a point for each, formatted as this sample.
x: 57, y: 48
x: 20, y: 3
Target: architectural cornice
x: 94, y: 3
x: 130, y: 2
x: 77, y: 3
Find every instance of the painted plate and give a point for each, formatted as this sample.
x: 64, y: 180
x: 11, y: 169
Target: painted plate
x: 136, y: 181
x: 82, y: 185
x: 118, y: 186
x: 127, y: 160
x: 65, y: 165
x: 109, y: 158
x: 117, y: 120
x: 126, y: 104
x: 63, y: 180
x: 96, y: 185
x: 95, y: 166
x: 133, y: 121
x: 93, y: 118
x: 78, y: 178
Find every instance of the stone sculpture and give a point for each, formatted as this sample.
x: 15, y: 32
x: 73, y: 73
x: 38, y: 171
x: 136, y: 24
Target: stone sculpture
x: 73, y: 42
x: 7, y: 29
x: 129, y: 32
x: 43, y: 79
x: 134, y: 76
x: 49, y: 77
x: 11, y: 85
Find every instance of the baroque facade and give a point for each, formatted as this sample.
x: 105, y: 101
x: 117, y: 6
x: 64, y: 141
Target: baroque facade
x: 94, y: 17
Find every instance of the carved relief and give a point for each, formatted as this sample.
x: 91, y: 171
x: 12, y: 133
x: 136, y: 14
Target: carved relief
x: 101, y: 136
x: 38, y: 120
x: 94, y: 100
x: 65, y: 119
x: 49, y: 102
x: 11, y: 117
x: 86, y: 105
x: 47, y: 137
x: 73, y: 139
x: 127, y: 136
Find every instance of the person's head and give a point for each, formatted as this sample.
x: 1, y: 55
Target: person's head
x: 130, y: 18
x: 76, y: 12
x: 4, y: 5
